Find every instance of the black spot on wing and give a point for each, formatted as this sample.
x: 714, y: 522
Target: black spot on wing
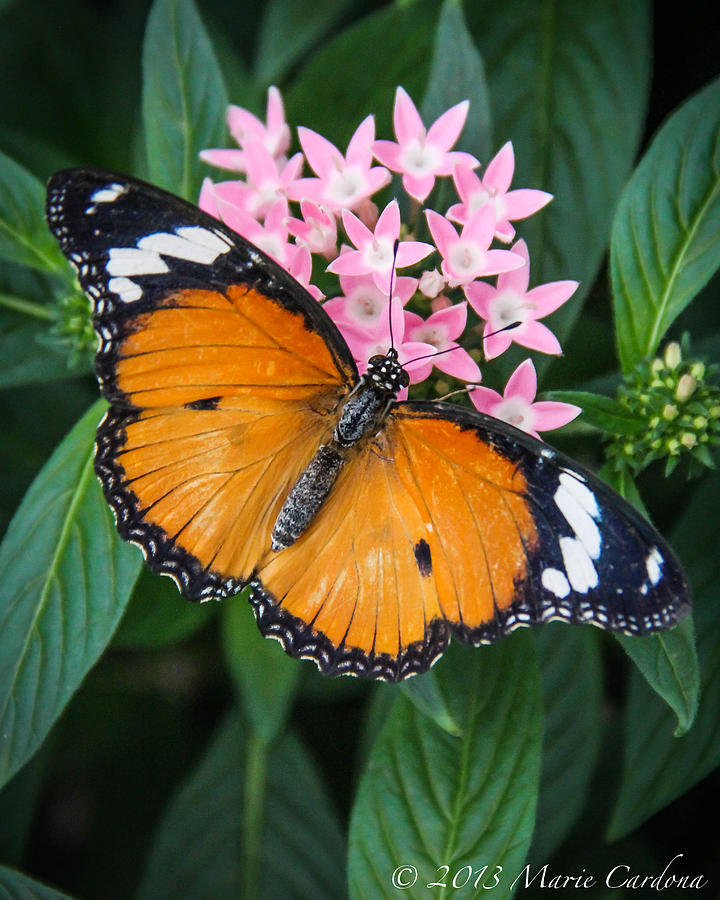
x: 423, y: 557
x: 204, y: 403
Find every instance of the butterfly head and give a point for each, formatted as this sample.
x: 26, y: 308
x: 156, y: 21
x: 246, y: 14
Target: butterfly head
x: 386, y: 374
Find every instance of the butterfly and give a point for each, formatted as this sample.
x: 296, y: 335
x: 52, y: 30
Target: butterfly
x: 242, y: 448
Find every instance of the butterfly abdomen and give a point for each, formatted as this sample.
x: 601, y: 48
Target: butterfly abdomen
x: 361, y: 416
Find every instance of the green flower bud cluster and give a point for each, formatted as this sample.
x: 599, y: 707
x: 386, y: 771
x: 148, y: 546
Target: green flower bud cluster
x: 678, y: 402
x: 74, y: 328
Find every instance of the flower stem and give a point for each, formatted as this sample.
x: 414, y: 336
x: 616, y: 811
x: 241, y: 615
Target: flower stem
x: 28, y: 307
x: 255, y: 775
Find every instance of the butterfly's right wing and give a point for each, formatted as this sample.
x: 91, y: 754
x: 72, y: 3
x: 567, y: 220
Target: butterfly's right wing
x: 222, y: 373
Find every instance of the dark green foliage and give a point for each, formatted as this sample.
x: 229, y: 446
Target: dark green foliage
x: 198, y: 761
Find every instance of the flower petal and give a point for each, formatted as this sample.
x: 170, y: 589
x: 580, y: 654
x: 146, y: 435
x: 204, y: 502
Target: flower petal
x: 548, y: 297
x: 524, y: 202
x: 485, y: 399
x: 459, y: 364
x: 500, y: 169
x: 319, y: 152
x: 446, y: 129
x: 442, y: 231
x: 522, y: 383
x: 536, y: 336
x: 406, y: 119
x: 233, y: 160
x: 359, y: 151
x: 551, y: 414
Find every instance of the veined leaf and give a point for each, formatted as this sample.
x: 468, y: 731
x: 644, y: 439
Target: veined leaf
x: 24, y: 359
x: 16, y: 886
x: 434, y: 800
x: 24, y: 236
x: 666, y: 233
x: 266, y: 678
x: 568, y: 86
x: 158, y: 615
x: 572, y: 690
x: 458, y: 73
x: 659, y: 767
x: 66, y: 577
x: 369, y: 60
x: 184, y: 98
x: 667, y: 660
x: 197, y: 853
x: 289, y: 29
x: 600, y: 411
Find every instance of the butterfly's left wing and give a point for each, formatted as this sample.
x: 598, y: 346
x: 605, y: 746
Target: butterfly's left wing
x: 452, y: 524
x: 222, y: 373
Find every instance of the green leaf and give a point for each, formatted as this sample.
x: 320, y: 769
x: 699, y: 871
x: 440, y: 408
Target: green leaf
x: 659, y: 767
x: 368, y: 61
x: 425, y: 694
x: 65, y: 579
x: 572, y: 690
x: 601, y: 412
x: 289, y: 30
x: 197, y: 851
x: 666, y: 234
x: 667, y: 660
x: 184, y: 97
x: 158, y: 615
x: 24, y: 236
x: 266, y: 678
x: 431, y: 800
x: 568, y: 85
x: 16, y: 886
x: 458, y: 73
x: 24, y: 357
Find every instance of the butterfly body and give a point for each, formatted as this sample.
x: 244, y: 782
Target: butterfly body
x: 242, y: 448
x: 361, y: 416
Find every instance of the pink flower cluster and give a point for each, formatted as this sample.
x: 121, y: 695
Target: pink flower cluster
x: 334, y: 218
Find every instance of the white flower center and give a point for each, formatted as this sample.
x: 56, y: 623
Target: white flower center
x: 366, y: 304
x: 515, y: 412
x: 345, y: 185
x: 431, y: 334
x: 419, y: 158
x: 465, y: 258
x: 509, y: 307
x: 379, y: 255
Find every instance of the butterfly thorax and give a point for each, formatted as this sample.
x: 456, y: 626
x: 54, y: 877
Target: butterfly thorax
x: 360, y: 418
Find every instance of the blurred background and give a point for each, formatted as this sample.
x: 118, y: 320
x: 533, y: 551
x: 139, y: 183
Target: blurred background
x: 83, y: 812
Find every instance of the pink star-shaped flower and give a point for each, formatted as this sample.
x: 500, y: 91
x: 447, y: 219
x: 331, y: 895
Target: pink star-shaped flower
x: 246, y: 128
x: 317, y: 229
x: 511, y: 301
x: 271, y: 237
x: 466, y: 257
x: 266, y: 181
x: 440, y: 330
x: 419, y: 154
x: 375, y: 253
x: 517, y: 407
x: 363, y: 302
x: 374, y: 339
x: 300, y: 267
x: 343, y: 182
x: 493, y: 189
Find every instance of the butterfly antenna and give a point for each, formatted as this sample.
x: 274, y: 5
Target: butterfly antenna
x: 458, y: 347
x: 392, y: 287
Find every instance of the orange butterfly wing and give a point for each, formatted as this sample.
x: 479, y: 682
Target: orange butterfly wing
x: 226, y: 396
x: 449, y: 524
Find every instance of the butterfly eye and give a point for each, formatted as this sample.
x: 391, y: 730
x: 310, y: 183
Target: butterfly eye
x: 404, y: 378
x: 376, y: 360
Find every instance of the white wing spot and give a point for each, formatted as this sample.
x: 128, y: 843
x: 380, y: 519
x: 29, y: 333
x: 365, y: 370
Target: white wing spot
x: 126, y: 290
x: 579, y: 519
x: 580, y: 571
x: 108, y: 194
x: 653, y: 564
x: 555, y: 581
x: 126, y: 261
